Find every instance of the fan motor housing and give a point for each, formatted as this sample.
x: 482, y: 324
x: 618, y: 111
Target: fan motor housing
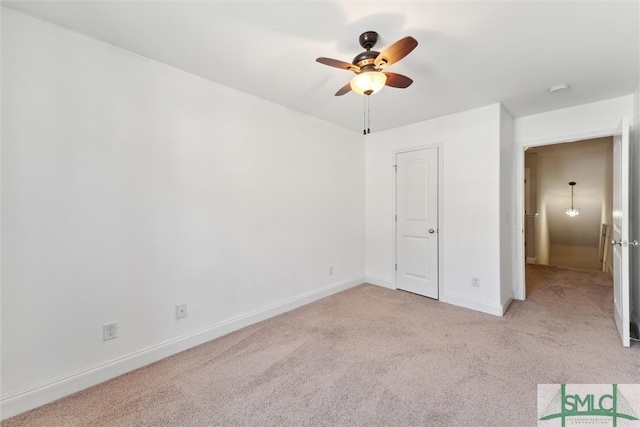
x: 367, y: 40
x: 365, y: 58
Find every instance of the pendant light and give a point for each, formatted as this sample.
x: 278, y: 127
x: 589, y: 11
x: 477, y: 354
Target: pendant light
x: 572, y: 211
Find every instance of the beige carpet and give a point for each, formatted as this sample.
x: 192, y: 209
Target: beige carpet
x: 370, y: 357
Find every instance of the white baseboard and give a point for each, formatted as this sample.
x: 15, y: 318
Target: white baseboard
x: 380, y: 281
x: 507, y: 302
x: 473, y: 304
x: 533, y: 260
x: 497, y: 310
x: 37, y: 396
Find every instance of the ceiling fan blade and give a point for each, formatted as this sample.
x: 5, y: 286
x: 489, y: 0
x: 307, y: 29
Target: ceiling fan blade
x: 338, y: 64
x: 396, y: 52
x: 397, y: 80
x: 344, y: 89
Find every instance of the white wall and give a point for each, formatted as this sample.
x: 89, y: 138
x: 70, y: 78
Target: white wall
x: 470, y: 226
x: 571, y: 256
x: 570, y: 124
x: 129, y: 186
x: 541, y: 234
x: 532, y: 220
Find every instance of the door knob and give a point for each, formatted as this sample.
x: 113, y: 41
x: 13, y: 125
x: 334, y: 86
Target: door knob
x: 431, y: 231
x: 616, y: 242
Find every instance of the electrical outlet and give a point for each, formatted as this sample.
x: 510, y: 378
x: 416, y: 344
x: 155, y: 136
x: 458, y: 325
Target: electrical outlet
x: 475, y: 282
x: 181, y: 311
x: 330, y: 270
x: 109, y: 331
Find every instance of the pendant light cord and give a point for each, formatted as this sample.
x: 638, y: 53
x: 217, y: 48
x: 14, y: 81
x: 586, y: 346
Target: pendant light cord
x: 572, y: 194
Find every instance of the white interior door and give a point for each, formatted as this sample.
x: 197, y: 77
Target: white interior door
x: 417, y: 222
x: 620, y: 230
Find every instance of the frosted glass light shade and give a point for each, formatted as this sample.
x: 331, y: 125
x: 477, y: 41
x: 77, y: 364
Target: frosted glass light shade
x: 368, y: 82
x: 572, y: 212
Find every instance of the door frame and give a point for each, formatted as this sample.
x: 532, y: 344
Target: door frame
x: 519, y: 290
x: 440, y: 147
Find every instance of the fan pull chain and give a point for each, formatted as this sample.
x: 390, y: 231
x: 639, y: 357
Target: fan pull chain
x: 364, y: 115
x: 366, y: 127
x: 368, y: 115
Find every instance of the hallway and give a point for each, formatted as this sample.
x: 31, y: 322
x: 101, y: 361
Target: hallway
x: 571, y: 293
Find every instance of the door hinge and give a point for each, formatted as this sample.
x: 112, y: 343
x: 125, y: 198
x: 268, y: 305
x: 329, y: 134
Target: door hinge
x: 396, y: 267
x: 395, y: 167
x: 396, y: 218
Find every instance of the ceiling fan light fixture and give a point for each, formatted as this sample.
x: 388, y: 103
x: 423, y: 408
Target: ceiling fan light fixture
x: 368, y: 82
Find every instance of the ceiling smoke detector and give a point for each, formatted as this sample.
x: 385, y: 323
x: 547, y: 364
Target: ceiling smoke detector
x: 558, y: 88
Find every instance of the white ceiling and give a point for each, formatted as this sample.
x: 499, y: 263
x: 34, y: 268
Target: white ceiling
x: 470, y: 54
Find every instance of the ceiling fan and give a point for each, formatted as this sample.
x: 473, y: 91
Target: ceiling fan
x: 369, y: 64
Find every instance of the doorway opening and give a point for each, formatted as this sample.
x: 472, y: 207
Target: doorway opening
x: 568, y: 212
x: 619, y: 224
x: 561, y: 176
